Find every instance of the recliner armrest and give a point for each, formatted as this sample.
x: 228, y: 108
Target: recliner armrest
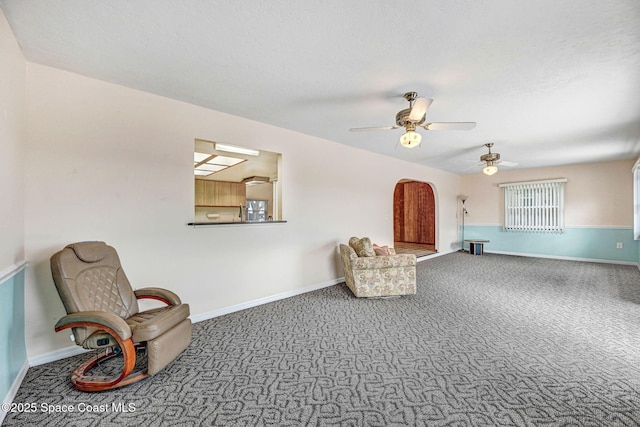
x: 96, y: 319
x: 159, y: 294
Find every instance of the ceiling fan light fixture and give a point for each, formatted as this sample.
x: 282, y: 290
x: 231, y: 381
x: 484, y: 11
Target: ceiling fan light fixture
x: 410, y: 139
x: 490, y: 169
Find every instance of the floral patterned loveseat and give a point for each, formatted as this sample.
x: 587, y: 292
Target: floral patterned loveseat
x: 370, y: 275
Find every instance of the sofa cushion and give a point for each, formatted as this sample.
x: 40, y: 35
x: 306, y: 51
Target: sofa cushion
x: 363, y: 247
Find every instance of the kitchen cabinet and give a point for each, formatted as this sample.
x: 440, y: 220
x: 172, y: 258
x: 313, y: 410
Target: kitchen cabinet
x: 219, y: 193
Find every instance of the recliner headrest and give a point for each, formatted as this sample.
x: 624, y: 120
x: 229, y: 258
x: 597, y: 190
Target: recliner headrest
x: 89, y: 251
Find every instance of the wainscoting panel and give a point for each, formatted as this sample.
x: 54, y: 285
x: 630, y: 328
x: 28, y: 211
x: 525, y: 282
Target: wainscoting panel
x: 597, y: 243
x: 13, y: 352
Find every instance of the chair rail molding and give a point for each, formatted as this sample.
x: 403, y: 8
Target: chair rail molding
x: 8, y: 272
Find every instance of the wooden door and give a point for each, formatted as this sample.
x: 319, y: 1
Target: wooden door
x: 414, y: 213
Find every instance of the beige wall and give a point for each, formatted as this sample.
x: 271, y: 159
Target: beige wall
x: 12, y: 140
x: 596, y: 194
x: 111, y: 163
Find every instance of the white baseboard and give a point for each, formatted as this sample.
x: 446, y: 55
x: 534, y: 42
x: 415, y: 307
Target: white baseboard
x: 75, y: 350
x: 13, y: 390
x: 63, y: 353
x: 435, y: 255
x: 566, y: 258
x: 260, y: 301
x: 52, y: 356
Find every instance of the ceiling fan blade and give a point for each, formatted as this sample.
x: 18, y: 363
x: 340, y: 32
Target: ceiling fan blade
x: 449, y: 126
x: 419, y: 109
x: 374, y: 128
x: 508, y: 164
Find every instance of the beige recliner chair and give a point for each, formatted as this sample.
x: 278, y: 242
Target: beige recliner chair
x: 103, y: 311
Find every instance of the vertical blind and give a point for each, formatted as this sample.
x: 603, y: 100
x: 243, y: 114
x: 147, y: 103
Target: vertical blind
x: 534, y: 206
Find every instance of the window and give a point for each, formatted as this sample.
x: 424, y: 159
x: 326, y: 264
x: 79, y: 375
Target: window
x: 228, y: 176
x: 536, y: 206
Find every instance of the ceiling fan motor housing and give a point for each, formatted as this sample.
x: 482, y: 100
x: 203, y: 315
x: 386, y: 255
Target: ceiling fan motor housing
x: 402, y: 118
x: 490, y: 157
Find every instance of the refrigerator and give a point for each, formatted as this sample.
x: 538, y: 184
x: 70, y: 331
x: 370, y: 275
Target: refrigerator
x: 257, y: 210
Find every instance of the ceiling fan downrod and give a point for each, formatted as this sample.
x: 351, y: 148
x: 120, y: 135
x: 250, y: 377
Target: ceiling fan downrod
x: 411, y: 97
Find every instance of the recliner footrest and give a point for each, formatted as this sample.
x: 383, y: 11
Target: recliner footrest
x: 164, y: 349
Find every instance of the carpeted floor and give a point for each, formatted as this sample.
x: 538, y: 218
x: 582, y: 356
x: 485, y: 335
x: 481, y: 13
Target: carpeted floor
x: 487, y: 341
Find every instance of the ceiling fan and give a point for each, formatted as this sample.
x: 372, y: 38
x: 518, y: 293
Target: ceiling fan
x: 413, y: 117
x: 491, y: 160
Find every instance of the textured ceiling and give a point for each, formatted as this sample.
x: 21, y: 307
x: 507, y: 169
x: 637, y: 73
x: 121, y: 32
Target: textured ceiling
x: 548, y: 81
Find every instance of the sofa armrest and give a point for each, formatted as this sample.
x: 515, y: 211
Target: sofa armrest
x: 389, y: 261
x: 159, y: 294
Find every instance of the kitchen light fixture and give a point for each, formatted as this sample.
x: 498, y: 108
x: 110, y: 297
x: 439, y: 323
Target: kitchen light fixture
x: 206, y: 164
x: 410, y: 139
x: 490, y: 169
x: 200, y: 157
x: 234, y: 149
x: 226, y: 161
x: 210, y: 167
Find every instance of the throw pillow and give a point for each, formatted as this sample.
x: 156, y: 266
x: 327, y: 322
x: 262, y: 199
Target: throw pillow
x: 381, y: 250
x: 363, y: 247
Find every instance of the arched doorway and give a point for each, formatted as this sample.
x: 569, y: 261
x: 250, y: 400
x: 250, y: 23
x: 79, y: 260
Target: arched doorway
x: 414, y: 218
